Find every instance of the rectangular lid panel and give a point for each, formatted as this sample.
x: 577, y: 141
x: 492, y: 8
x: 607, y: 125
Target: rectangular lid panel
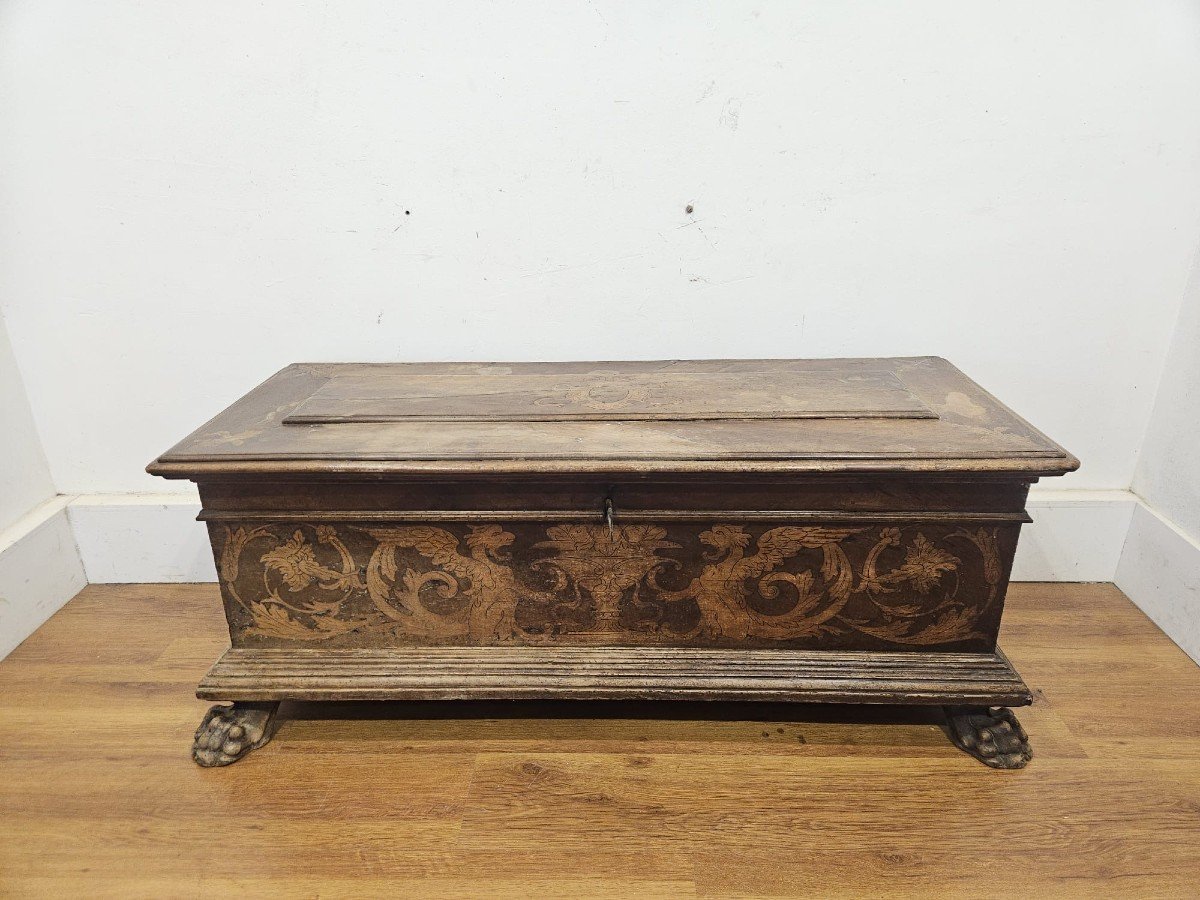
x: 917, y: 414
x: 398, y: 395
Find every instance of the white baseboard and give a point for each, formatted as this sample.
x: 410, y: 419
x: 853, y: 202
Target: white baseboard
x: 40, y: 570
x: 129, y: 538
x: 1075, y: 536
x: 1159, y: 570
x: 48, y: 556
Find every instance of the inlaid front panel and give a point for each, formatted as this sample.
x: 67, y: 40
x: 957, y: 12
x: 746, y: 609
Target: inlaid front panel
x: 916, y: 586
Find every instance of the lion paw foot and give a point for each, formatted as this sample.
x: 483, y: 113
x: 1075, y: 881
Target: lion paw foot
x: 227, y: 733
x: 992, y: 735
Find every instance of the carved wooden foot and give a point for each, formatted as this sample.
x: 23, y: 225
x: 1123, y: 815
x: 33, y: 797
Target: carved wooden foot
x: 990, y: 734
x: 227, y: 733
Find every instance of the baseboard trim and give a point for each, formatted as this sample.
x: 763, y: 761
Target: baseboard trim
x: 40, y: 570
x: 122, y: 538
x: 49, y: 555
x: 140, y: 538
x: 1159, y: 570
x: 1074, y: 536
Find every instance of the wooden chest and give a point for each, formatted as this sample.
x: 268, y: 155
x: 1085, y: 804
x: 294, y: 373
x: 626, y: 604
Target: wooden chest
x: 808, y: 530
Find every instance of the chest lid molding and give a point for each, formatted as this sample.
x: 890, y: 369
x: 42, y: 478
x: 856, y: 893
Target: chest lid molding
x: 901, y: 415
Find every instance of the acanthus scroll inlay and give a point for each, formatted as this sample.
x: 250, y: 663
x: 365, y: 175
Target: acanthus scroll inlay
x: 726, y: 585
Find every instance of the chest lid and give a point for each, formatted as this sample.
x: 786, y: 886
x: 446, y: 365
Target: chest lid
x: 899, y: 414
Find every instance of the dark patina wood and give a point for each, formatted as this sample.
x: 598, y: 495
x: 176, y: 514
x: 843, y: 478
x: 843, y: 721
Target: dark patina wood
x: 815, y: 530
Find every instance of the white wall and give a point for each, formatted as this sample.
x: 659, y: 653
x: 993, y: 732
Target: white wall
x: 207, y: 191
x: 1160, y: 564
x: 24, y: 476
x: 1168, y: 473
x: 40, y: 567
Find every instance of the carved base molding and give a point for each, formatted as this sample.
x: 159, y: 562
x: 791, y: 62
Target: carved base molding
x: 614, y: 673
x: 256, y: 679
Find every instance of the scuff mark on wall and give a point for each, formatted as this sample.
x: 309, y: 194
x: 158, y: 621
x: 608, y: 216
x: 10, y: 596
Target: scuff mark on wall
x: 730, y: 113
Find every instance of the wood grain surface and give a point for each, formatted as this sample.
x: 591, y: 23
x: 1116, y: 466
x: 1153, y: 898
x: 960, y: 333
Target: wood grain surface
x: 98, y: 797
x: 908, y: 414
x: 823, y: 587
x: 608, y: 673
x: 405, y: 392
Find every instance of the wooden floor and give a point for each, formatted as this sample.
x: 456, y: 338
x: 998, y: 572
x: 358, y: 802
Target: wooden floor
x: 98, y: 797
